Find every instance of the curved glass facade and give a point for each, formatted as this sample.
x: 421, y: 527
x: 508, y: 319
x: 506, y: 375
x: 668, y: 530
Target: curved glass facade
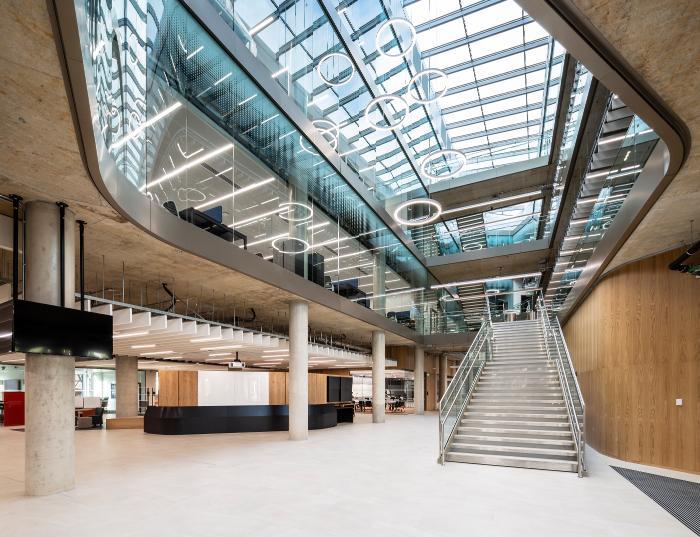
x: 192, y: 132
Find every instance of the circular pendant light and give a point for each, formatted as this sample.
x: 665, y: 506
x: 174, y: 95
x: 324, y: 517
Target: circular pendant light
x: 381, y: 99
x: 284, y: 247
x: 325, y: 127
x: 330, y: 81
x: 395, y: 24
x: 443, y: 153
x: 428, y: 72
x: 432, y: 204
x: 291, y: 209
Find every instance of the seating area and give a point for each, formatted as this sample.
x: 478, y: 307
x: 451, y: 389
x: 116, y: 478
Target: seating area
x: 89, y: 412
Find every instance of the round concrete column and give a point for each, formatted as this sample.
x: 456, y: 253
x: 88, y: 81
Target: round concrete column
x: 419, y: 381
x: 49, y: 380
x: 378, y: 377
x: 298, y: 371
x: 127, y: 379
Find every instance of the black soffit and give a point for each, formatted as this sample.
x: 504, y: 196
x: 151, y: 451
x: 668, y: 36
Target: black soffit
x: 35, y: 328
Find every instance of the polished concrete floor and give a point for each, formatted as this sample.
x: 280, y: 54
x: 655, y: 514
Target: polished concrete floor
x: 359, y: 479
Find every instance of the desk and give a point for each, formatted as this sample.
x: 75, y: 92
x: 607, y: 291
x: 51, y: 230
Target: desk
x: 231, y: 419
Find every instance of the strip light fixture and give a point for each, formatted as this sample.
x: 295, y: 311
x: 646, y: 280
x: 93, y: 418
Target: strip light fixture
x: 487, y: 280
x: 187, y: 166
x: 143, y: 126
x: 233, y: 194
x: 261, y: 25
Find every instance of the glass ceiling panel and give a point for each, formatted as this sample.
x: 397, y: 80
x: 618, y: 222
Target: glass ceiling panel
x: 495, y: 57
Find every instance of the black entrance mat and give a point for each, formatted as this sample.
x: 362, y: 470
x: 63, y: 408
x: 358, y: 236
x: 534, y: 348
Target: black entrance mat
x: 680, y: 498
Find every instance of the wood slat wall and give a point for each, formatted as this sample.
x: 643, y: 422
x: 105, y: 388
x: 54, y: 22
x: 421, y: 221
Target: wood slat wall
x: 168, y: 392
x: 188, y: 390
x: 278, y: 388
x: 635, y: 343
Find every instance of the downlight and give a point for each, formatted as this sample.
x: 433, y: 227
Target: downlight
x: 385, y: 99
x: 427, y: 73
x: 330, y: 56
x: 395, y: 25
x: 434, y: 206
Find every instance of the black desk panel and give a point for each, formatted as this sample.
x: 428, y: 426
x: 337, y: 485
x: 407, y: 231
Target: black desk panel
x: 231, y: 419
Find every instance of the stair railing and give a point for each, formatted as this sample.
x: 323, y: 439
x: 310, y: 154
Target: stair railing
x: 557, y: 351
x: 458, y: 393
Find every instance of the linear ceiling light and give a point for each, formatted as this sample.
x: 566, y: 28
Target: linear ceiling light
x: 187, y: 166
x: 133, y: 334
x: 262, y: 25
x: 233, y: 194
x: 492, y: 202
x: 138, y: 130
x: 487, y: 280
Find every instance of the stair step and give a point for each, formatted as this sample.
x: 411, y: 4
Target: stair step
x: 517, y: 401
x: 532, y: 425
x: 496, y: 388
x: 514, y: 440
x: 518, y: 381
x: 515, y: 461
x: 532, y: 409
x: 527, y: 451
x: 520, y: 433
x: 516, y: 416
x: 510, y: 460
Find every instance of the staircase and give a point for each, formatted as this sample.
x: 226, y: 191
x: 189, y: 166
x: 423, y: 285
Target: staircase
x: 517, y: 414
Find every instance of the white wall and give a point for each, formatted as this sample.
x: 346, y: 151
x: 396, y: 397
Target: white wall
x: 228, y: 388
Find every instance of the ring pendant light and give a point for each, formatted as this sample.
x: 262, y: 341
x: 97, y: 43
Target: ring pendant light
x: 327, y: 57
x: 427, y: 72
x: 395, y: 24
x: 333, y: 131
x: 381, y: 99
x: 282, y: 250
x: 443, y: 153
x: 420, y: 220
x: 291, y: 208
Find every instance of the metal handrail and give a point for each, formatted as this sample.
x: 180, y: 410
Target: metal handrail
x: 576, y: 427
x: 460, y: 378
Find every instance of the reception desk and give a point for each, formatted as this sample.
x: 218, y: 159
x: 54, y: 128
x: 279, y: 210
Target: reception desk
x: 231, y: 419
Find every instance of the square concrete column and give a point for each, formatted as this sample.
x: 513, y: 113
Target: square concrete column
x: 298, y: 371
x: 419, y: 380
x: 378, y: 376
x: 127, y: 379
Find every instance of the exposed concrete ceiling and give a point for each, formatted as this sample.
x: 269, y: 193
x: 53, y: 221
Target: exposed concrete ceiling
x: 41, y: 161
x: 500, y: 260
x: 659, y: 41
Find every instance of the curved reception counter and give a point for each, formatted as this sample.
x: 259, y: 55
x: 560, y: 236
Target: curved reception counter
x: 231, y: 419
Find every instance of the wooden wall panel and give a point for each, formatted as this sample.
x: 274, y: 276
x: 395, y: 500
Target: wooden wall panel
x: 431, y: 382
x: 187, y: 388
x: 317, y: 388
x: 635, y: 343
x: 168, y: 392
x: 278, y: 388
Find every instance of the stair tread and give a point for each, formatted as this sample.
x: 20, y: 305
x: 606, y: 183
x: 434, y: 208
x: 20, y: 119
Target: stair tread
x: 520, y: 450
x: 509, y: 460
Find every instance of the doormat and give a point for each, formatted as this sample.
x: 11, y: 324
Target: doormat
x: 679, y: 497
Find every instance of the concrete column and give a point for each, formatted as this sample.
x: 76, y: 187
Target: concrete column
x: 49, y: 380
x: 127, y: 379
x: 379, y: 283
x: 298, y: 371
x: 443, y: 375
x: 419, y: 381
x: 378, y: 377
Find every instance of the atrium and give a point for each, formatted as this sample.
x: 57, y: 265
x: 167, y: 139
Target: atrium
x: 343, y: 267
